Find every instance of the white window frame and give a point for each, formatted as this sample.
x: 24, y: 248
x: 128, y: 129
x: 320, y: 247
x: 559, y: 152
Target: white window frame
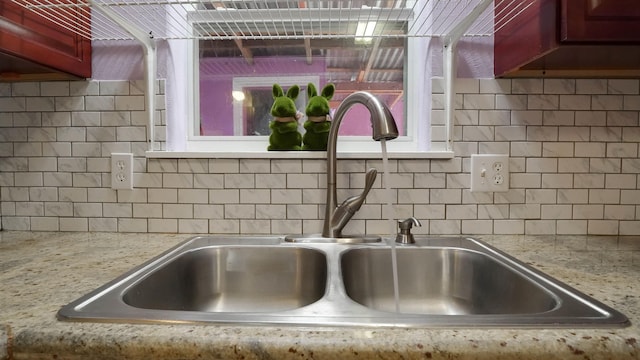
x: 417, y: 106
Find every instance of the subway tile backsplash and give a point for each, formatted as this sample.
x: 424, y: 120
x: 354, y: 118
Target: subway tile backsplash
x: 573, y: 146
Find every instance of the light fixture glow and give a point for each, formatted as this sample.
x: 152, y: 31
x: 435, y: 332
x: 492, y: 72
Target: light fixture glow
x: 364, y: 32
x: 237, y: 95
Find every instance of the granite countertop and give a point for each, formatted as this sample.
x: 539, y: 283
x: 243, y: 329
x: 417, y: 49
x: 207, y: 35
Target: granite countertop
x: 40, y: 272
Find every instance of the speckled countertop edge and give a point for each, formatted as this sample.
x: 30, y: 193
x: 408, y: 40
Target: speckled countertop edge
x: 40, y: 272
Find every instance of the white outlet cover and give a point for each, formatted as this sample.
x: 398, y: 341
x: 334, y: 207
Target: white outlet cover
x: 489, y: 173
x: 122, y: 171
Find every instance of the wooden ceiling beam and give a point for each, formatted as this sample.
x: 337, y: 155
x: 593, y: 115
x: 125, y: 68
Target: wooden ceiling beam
x: 246, y: 52
x: 308, y: 52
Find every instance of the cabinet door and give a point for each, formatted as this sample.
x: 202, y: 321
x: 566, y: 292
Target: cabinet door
x: 607, y: 21
x: 29, y: 36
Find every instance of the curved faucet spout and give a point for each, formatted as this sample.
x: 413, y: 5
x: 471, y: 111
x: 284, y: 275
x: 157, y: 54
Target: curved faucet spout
x: 384, y: 128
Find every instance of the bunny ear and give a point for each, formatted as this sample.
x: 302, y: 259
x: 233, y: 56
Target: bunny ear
x: 328, y: 90
x: 311, y: 91
x: 277, y: 91
x: 293, y: 92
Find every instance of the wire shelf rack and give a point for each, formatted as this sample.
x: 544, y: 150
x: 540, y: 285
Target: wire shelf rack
x: 273, y: 19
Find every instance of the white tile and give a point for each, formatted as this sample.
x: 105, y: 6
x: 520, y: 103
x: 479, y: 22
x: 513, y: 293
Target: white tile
x: 193, y: 226
x: 542, y: 133
x: 134, y: 102
x: 163, y: 195
x: 177, y: 211
x: 462, y: 211
x: 147, y: 210
x: 490, y: 211
x: 607, y: 102
x: 557, y: 181
x: 237, y: 211
x: 103, y: 224
x: 603, y: 165
x: 556, y: 211
x: 591, y: 86
x: 131, y: 133
x: 524, y: 211
x: 239, y: 181
x: 163, y: 225
x: 255, y: 196
x: 43, y: 194
x: 193, y: 165
x: 99, y: 103
x: 602, y: 227
x: 132, y: 225
x: 527, y: 86
x: 473, y: 227
x: 29, y: 209
x: 573, y: 196
x: 621, y: 181
x: 445, y: 196
x: 224, y: 226
x: 623, y: 86
x: 74, y: 224
x: 193, y: 196
x: 543, y: 102
x: 542, y: 165
x: 479, y: 101
x: 268, y: 211
x: 425, y: 211
x: 117, y: 210
x: 445, y: 227
x: 629, y: 227
x: 571, y: 227
x: 208, y: 211
x: 620, y: 212
x: 44, y: 224
x: 540, y: 227
x: 559, y: 86
x: 511, y: 102
x: 575, y: 102
x: 300, y: 211
x: 254, y: 227
x: 541, y: 196
x: 508, y: 227
x: 631, y: 102
x: 286, y: 226
x: 254, y: 166
x: 604, y: 196
x: 114, y: 87
x: 181, y: 180
x: 87, y: 180
x: 588, y: 211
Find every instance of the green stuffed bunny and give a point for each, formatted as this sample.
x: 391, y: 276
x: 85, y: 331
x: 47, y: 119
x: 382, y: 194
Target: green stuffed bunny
x: 318, y: 121
x: 284, y: 127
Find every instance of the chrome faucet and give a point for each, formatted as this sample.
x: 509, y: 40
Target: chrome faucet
x: 384, y: 128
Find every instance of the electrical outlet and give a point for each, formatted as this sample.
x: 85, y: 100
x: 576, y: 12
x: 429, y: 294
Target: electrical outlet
x: 489, y: 172
x: 122, y: 171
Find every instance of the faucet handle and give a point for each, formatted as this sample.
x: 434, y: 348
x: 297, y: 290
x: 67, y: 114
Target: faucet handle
x: 405, y: 236
x: 369, y: 179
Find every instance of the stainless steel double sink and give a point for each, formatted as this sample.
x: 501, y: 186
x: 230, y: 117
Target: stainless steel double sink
x: 442, y: 282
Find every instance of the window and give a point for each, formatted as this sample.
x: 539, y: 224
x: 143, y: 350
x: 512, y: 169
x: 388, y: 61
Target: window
x: 362, y: 57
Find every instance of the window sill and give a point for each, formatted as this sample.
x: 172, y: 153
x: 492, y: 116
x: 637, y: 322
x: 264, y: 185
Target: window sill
x: 294, y: 155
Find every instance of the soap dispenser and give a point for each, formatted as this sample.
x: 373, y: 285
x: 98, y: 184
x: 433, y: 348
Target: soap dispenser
x: 404, y: 235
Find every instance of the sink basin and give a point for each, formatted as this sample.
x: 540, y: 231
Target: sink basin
x: 446, y: 281
x: 234, y: 279
x: 443, y: 282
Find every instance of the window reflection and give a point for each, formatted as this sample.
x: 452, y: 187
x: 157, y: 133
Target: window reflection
x: 377, y: 67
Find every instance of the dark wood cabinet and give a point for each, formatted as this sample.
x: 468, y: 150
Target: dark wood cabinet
x: 577, y: 38
x: 35, y: 48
